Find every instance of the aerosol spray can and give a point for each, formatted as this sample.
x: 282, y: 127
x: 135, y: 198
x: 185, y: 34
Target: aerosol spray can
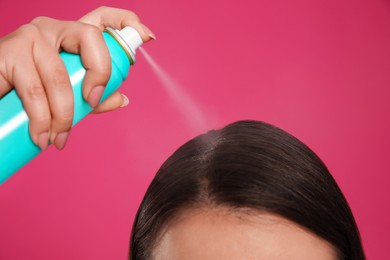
x: 16, y: 146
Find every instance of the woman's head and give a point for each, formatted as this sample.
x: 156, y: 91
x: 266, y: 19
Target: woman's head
x: 249, y: 188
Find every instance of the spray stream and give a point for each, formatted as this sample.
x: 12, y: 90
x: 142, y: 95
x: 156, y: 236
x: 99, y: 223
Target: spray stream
x: 190, y: 111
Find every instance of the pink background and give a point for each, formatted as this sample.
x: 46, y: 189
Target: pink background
x: 318, y: 69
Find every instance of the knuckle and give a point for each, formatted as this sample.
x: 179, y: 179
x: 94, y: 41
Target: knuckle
x: 42, y: 119
x: 35, y: 91
x: 28, y: 30
x: 40, y: 20
x: 104, y: 70
x: 103, y: 8
x: 20, y: 38
x: 91, y: 31
x: 59, y: 78
x: 5, y: 46
x: 134, y: 16
x: 103, y: 74
x: 64, y: 120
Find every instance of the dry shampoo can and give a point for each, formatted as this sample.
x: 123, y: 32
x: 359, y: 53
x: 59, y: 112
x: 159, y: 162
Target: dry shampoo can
x: 16, y: 146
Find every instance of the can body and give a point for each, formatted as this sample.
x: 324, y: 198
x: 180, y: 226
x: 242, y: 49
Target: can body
x: 16, y: 145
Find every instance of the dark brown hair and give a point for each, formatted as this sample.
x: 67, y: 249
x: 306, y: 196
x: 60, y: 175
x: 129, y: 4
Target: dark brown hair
x: 248, y: 165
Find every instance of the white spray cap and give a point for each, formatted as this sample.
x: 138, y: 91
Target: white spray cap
x: 129, y: 38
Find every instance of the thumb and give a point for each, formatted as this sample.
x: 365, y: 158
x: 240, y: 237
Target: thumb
x: 116, y: 18
x: 115, y: 101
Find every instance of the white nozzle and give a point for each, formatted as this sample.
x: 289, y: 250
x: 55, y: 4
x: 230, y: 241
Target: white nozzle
x: 129, y: 39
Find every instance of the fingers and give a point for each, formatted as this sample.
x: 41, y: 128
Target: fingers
x: 32, y: 93
x: 58, y: 89
x: 96, y: 59
x: 116, y: 100
x: 88, y: 41
x: 34, y: 68
x: 29, y: 61
x: 117, y: 18
x: 42, y: 83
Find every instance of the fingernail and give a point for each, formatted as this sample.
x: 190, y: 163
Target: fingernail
x: 149, y: 32
x: 43, y: 141
x: 60, y: 140
x: 125, y: 101
x: 95, y: 96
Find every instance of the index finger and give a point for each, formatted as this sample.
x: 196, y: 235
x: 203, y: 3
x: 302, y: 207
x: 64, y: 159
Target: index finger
x: 116, y: 18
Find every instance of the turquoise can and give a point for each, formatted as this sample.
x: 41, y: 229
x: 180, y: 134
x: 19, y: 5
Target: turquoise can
x: 16, y: 146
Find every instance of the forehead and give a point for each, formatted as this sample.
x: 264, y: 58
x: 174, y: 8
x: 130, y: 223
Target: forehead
x: 222, y: 234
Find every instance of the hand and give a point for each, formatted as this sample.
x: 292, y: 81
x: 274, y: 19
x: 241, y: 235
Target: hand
x: 30, y: 62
